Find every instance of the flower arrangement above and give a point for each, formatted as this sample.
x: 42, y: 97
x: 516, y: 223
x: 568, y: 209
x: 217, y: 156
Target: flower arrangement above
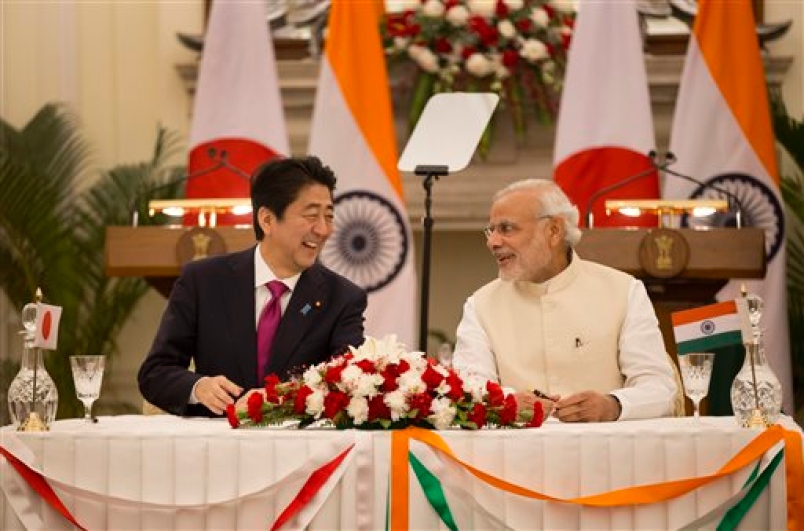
x: 516, y: 48
x: 380, y: 385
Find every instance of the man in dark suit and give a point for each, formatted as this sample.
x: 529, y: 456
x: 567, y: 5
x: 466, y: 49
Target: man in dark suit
x: 212, y: 315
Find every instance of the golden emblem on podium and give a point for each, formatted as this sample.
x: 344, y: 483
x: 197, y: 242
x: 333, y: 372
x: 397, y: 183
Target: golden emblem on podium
x: 199, y: 242
x: 664, y: 253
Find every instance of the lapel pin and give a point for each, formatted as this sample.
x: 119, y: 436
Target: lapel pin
x: 305, y: 309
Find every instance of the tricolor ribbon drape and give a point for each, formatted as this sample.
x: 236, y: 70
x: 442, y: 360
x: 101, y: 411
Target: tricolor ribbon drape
x: 638, y: 495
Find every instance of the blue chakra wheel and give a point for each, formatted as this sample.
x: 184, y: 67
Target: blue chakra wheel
x: 760, y: 207
x: 370, y: 243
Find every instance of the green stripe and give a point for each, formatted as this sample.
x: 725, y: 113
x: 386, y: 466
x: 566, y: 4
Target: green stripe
x: 735, y: 515
x: 706, y: 343
x: 433, y: 491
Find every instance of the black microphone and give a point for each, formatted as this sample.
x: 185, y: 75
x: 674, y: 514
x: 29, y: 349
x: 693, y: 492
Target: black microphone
x: 654, y: 166
x: 219, y: 159
x: 670, y: 158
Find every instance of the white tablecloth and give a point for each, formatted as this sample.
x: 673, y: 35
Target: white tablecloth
x: 163, y: 472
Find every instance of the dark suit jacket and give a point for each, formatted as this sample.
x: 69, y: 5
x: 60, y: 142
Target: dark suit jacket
x: 210, y: 319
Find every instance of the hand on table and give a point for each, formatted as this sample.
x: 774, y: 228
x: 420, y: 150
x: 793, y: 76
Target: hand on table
x: 587, y: 406
x: 216, y: 392
x: 526, y: 399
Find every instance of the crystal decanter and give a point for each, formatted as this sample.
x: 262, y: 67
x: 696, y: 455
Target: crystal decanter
x: 32, y: 395
x: 756, y: 394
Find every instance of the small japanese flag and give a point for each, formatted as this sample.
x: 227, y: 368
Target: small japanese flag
x: 47, y: 326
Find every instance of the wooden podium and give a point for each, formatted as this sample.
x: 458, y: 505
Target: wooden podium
x: 714, y: 257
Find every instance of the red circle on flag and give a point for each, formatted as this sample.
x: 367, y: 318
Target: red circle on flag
x: 47, y: 324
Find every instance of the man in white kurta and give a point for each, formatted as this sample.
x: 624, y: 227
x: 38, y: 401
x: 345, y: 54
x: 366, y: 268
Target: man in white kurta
x: 582, y: 333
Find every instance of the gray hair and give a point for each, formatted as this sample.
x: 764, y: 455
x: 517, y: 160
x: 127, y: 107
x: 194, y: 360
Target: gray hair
x: 553, y: 202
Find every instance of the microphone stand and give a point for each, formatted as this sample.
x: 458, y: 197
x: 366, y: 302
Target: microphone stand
x: 670, y: 158
x: 654, y: 166
x: 431, y: 174
x: 220, y: 160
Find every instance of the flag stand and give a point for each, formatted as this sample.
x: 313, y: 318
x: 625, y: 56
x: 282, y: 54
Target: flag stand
x: 447, y: 132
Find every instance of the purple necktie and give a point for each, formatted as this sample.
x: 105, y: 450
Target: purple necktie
x: 269, y: 322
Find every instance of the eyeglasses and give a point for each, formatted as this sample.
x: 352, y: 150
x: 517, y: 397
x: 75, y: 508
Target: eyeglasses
x: 507, y: 228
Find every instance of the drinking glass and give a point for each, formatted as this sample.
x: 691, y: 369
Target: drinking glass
x: 696, y: 371
x: 88, y: 376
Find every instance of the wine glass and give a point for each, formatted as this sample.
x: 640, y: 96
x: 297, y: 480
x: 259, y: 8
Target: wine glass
x: 88, y: 376
x: 696, y: 371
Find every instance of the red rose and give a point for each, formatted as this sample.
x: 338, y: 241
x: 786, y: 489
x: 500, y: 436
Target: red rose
x: 422, y: 403
x: 333, y: 374
x: 566, y: 39
x: 510, y: 58
x: 431, y: 377
x: 501, y: 10
x: 478, y: 415
x: 254, y: 407
x: 455, y: 386
x: 442, y: 45
x: 231, y: 415
x: 538, y: 416
x: 467, y: 52
x: 549, y: 9
x: 377, y: 409
x: 509, y: 410
x: 404, y: 366
x: 524, y: 25
x: 334, y: 402
x: 389, y: 376
x: 300, y: 401
x: 367, y: 366
x: 449, y: 4
x: 496, y: 395
x: 271, y: 380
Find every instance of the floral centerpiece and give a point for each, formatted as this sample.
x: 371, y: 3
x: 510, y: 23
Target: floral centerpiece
x: 516, y: 48
x: 380, y: 385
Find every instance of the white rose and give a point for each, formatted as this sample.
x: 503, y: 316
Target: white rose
x: 533, y: 50
x: 433, y: 8
x: 411, y: 383
x: 358, y: 410
x: 540, y: 17
x: 458, y: 16
x: 312, y: 377
x: 315, y: 403
x: 506, y: 29
x: 443, y: 413
x: 397, y: 403
x: 484, y: 8
x: 400, y: 43
x: 367, y: 384
x: 478, y: 65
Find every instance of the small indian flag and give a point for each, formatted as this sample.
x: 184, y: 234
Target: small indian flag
x: 713, y: 326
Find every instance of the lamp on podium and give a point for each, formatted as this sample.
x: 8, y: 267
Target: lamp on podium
x: 443, y: 142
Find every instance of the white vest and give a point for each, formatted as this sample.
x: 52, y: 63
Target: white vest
x: 567, y: 328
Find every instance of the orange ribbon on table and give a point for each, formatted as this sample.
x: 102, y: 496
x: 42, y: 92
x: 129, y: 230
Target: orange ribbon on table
x: 639, y: 495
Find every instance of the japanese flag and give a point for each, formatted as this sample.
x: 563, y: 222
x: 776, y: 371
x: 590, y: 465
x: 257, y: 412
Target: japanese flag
x: 47, y: 326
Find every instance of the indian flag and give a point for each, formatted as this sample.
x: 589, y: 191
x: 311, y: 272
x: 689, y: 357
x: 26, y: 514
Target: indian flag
x: 352, y: 131
x: 713, y: 326
x: 722, y: 134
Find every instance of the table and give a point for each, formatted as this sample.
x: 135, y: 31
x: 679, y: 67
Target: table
x: 164, y: 472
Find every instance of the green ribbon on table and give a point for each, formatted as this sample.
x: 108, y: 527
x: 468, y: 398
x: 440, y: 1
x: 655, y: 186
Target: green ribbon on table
x: 433, y: 492
x: 735, y: 515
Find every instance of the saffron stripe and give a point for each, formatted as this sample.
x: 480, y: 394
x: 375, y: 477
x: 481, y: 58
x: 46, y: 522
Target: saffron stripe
x: 704, y: 312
